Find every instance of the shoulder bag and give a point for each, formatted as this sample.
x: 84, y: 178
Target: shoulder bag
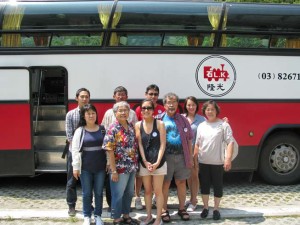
x: 235, y: 151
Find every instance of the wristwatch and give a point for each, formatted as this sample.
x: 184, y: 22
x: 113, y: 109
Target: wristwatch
x: 113, y: 172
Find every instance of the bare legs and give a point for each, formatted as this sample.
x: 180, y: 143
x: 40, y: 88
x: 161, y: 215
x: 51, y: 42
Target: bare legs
x: 138, y: 186
x: 193, y: 183
x: 181, y: 192
x: 205, y: 199
x: 156, y: 182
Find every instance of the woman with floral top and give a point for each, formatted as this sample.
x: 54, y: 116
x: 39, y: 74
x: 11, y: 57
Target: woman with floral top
x: 121, y: 144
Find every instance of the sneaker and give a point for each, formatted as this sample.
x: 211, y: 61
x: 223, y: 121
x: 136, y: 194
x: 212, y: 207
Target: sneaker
x: 191, y: 208
x: 86, y: 221
x: 187, y: 203
x: 138, y: 203
x: 216, y: 215
x: 72, y: 211
x: 204, y: 213
x: 98, y: 220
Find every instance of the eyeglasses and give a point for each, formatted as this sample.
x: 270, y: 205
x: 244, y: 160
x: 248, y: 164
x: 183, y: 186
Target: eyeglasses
x: 171, y: 103
x: 123, y: 111
x: 147, y: 107
x: 153, y: 94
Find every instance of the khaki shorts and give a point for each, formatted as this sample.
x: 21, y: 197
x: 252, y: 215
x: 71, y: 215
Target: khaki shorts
x: 160, y: 171
x: 176, y: 167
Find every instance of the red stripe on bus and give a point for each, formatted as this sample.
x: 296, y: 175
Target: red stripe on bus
x: 258, y: 118
x: 15, y: 129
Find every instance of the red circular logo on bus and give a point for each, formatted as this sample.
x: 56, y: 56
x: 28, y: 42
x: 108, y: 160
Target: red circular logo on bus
x: 215, y: 76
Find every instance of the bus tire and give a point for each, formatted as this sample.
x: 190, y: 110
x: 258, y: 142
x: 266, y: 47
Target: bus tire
x: 279, y: 160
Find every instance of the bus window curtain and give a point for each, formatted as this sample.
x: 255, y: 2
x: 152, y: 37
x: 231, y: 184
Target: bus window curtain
x: 12, y: 21
x: 104, y: 13
x: 214, y: 15
x: 292, y: 43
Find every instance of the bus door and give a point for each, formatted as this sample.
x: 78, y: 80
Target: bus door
x: 49, y: 106
x: 16, y: 148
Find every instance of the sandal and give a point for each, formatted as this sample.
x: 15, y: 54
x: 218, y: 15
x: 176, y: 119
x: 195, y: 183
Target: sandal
x: 165, y: 216
x: 149, y: 222
x: 130, y: 221
x: 183, y: 214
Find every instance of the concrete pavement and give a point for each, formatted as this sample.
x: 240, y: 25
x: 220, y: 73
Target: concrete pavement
x: 25, y: 200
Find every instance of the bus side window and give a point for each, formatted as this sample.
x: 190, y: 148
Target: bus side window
x: 77, y: 39
x: 178, y: 40
x: 285, y: 42
x: 292, y: 43
x: 246, y: 41
x: 139, y: 39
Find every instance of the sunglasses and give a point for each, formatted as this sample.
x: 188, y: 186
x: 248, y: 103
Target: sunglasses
x: 151, y: 94
x: 148, y: 108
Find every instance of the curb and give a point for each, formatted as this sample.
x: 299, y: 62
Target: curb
x: 238, y: 212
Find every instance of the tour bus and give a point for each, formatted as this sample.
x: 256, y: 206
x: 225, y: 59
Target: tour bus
x: 244, y: 56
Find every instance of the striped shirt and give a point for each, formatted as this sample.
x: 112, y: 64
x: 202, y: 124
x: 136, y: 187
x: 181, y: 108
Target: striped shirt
x: 72, y: 120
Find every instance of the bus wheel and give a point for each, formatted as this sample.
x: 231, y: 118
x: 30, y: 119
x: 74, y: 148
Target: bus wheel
x: 279, y: 159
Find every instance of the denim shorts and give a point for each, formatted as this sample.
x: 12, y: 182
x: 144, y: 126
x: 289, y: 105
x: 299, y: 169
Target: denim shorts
x: 160, y: 171
x: 176, y: 167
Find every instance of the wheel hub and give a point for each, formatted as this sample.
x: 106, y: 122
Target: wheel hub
x: 283, y: 158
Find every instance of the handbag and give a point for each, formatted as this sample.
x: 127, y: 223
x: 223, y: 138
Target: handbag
x: 66, y: 150
x: 235, y: 151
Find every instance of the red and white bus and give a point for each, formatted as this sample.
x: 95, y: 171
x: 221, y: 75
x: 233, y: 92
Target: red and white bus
x: 245, y: 56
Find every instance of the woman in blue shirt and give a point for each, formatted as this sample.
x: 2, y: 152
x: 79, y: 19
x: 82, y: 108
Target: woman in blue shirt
x: 89, y: 162
x: 190, y: 108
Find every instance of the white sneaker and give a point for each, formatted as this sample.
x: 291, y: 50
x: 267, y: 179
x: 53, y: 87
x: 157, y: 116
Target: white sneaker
x: 191, y: 208
x: 187, y: 203
x: 138, y: 203
x: 98, y: 220
x: 86, y: 221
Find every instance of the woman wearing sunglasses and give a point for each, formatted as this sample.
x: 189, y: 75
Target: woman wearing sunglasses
x: 151, y: 136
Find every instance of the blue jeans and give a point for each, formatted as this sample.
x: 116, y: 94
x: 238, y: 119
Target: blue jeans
x: 92, y: 182
x: 122, y: 193
x: 71, y: 183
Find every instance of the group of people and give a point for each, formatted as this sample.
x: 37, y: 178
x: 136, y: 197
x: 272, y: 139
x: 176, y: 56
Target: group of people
x: 152, y: 144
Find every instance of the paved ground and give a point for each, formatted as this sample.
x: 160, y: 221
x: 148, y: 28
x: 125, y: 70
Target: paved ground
x: 241, y: 221
x: 42, y: 201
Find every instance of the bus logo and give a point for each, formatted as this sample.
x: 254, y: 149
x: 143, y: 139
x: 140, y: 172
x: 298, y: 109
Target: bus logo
x: 213, y: 73
x: 215, y: 76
